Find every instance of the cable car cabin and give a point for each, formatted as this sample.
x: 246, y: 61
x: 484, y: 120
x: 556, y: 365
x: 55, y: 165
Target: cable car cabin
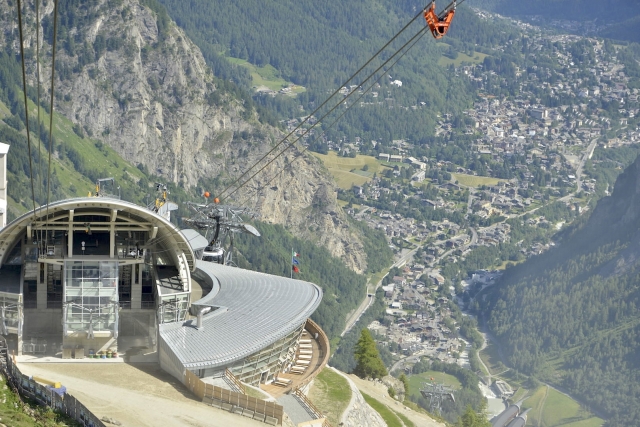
x: 438, y: 27
x: 213, y: 254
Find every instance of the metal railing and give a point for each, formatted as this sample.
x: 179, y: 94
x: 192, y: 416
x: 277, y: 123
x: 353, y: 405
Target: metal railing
x: 304, y: 400
x: 232, y: 378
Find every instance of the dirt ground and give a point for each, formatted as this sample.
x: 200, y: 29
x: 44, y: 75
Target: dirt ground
x: 135, y: 394
x: 379, y: 392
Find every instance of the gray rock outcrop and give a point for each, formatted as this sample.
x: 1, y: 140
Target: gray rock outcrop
x: 133, y: 79
x: 359, y: 413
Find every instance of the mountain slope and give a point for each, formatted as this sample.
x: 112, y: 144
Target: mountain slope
x: 571, y: 315
x: 128, y: 76
x: 320, y: 45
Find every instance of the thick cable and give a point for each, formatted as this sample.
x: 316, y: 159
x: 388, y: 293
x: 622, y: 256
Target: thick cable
x: 39, y: 124
x: 222, y: 194
x: 26, y: 104
x: 301, y: 152
x: 53, y: 74
x: 38, y: 89
x: 418, y: 34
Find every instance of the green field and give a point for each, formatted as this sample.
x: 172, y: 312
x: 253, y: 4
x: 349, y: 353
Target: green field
x: 491, y: 358
x: 477, y: 58
x: 474, y: 181
x: 535, y: 402
x: 331, y: 393
x: 550, y: 408
x: 266, y: 76
x: 416, y: 382
x: 347, y: 171
x: 561, y: 410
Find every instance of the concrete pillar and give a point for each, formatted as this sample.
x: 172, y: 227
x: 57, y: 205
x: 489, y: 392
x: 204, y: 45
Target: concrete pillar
x: 41, y: 294
x: 136, y: 287
x: 112, y: 234
x: 70, y: 235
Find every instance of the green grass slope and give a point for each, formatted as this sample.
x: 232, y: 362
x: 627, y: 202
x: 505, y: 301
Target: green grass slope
x: 76, y: 162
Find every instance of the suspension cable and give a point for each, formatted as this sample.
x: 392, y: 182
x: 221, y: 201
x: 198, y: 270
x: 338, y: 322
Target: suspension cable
x: 26, y: 105
x: 222, y: 194
x: 53, y: 73
x: 454, y: 3
x: 411, y: 40
x: 301, y: 152
x: 39, y: 133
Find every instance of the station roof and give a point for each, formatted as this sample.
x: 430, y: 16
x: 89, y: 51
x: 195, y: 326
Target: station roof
x: 251, y: 311
x: 168, y: 234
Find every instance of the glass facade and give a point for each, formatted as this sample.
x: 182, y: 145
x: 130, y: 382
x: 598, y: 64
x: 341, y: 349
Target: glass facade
x: 10, y: 311
x: 173, y: 308
x: 90, y: 296
x: 262, y: 366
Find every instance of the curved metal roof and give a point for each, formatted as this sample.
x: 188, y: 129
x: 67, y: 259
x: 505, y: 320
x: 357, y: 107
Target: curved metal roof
x: 254, y: 311
x: 168, y: 233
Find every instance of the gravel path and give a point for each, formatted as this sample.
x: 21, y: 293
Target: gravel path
x: 140, y: 395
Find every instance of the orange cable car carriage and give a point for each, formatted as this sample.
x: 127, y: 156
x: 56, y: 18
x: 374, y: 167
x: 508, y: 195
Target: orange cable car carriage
x: 439, y: 25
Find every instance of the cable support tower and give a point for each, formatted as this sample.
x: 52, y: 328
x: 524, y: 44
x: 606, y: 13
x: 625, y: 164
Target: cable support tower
x: 436, y: 394
x: 220, y: 222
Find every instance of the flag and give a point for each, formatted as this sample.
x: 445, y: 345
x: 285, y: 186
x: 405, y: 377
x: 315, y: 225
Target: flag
x: 294, y: 262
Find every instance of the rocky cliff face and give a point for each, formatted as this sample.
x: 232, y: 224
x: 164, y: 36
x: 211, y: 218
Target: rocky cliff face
x: 130, y: 77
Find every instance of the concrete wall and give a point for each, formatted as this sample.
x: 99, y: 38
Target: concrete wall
x: 42, y: 323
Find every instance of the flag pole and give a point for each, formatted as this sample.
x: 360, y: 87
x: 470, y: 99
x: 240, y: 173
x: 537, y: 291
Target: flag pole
x: 291, y: 266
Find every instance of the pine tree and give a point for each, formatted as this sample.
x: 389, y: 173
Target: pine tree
x: 368, y: 361
x: 472, y: 419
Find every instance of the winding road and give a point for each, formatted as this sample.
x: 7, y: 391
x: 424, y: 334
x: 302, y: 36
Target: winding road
x: 370, y: 294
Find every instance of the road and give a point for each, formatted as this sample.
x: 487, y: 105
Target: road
x: 370, y: 294
x: 470, y: 201
x: 473, y: 241
x: 585, y: 156
x: 400, y: 364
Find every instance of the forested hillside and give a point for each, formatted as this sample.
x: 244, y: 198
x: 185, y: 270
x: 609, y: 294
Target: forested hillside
x: 621, y: 24
x: 570, y: 316
x: 320, y: 45
x: 343, y: 289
